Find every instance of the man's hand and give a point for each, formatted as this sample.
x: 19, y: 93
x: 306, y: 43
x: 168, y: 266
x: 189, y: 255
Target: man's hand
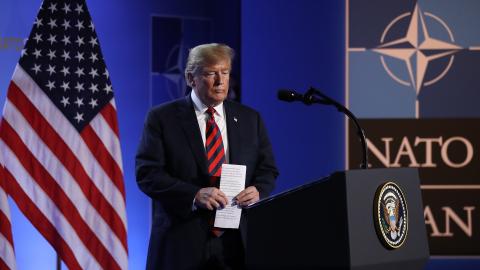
x: 210, y: 198
x: 247, y: 196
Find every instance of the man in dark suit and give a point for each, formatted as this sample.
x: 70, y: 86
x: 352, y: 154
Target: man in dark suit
x: 172, y: 167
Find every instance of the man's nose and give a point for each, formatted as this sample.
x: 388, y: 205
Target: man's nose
x: 219, y: 79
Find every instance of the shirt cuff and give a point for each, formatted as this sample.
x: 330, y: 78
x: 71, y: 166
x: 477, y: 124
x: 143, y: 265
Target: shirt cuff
x: 194, y: 207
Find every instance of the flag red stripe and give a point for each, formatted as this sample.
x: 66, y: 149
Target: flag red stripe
x: 69, y: 160
x: 110, y: 114
x: 41, y: 223
x: 58, y: 196
x: 5, y: 227
x: 3, y: 266
x: 2, y: 185
x: 103, y: 157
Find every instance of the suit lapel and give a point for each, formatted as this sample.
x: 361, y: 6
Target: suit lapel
x: 189, y: 123
x: 233, y: 130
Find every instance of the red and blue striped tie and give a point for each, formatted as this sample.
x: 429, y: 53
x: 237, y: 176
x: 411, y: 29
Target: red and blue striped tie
x: 214, y: 148
x: 215, y: 156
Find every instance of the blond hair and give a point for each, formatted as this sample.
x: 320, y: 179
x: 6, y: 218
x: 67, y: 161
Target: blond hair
x: 207, y: 54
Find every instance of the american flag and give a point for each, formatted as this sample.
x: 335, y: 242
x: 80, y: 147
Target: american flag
x: 60, y: 141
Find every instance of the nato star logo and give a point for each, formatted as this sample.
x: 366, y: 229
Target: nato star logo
x: 173, y: 72
x: 416, y: 49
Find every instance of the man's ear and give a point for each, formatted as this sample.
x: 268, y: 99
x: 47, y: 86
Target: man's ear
x: 190, y: 80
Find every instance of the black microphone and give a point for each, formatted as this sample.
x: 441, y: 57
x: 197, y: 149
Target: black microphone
x: 314, y: 96
x: 289, y: 95
x: 308, y: 98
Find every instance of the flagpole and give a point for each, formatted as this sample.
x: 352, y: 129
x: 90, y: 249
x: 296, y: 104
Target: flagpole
x: 59, y: 263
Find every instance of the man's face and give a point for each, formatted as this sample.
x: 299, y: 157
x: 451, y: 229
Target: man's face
x: 211, y: 82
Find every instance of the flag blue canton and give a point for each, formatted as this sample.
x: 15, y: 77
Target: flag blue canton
x: 63, y: 57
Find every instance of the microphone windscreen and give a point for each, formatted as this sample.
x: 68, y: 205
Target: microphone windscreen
x: 288, y: 95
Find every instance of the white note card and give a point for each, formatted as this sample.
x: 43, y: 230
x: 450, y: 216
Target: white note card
x: 232, y: 182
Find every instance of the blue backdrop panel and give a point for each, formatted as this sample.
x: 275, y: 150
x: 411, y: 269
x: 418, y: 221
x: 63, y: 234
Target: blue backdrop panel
x: 296, y: 44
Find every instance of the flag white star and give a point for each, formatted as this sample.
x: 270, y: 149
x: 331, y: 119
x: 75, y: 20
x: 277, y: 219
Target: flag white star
x: 93, y: 41
x: 93, y: 57
x: 66, y: 24
x: 65, y: 86
x: 65, y: 71
x: 106, y: 73
x: 51, y: 54
x: 79, y: 102
x: 50, y: 85
x: 79, y: 87
x: 65, y: 101
x: 79, y: 56
x: 94, y: 88
x: 79, y: 41
x: 51, y: 70
x: 38, y: 37
x: 91, y: 26
x: 65, y: 55
x: 36, y: 68
x: 66, y: 8
x: 38, y: 22
x: 52, y: 39
x: 79, y: 8
x: 53, y: 7
x: 52, y: 23
x: 37, y: 53
x: 93, y: 72
x: 24, y: 52
x: 79, y: 117
x: 79, y: 72
x: 66, y: 40
x: 108, y: 89
x: 79, y: 25
x: 93, y: 103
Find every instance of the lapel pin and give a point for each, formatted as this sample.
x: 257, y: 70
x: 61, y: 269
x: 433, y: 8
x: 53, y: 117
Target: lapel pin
x: 235, y: 119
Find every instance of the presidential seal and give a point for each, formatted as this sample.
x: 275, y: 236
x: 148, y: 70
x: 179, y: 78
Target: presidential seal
x: 391, y: 215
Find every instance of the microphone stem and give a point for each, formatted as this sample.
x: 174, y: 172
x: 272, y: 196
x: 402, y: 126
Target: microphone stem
x: 362, y: 137
x: 360, y: 132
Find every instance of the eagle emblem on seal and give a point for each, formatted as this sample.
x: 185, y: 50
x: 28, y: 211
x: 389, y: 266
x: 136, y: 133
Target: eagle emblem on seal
x: 391, y: 215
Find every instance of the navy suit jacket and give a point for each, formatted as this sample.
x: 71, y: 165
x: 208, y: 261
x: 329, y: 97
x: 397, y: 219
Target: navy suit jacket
x: 171, y: 168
